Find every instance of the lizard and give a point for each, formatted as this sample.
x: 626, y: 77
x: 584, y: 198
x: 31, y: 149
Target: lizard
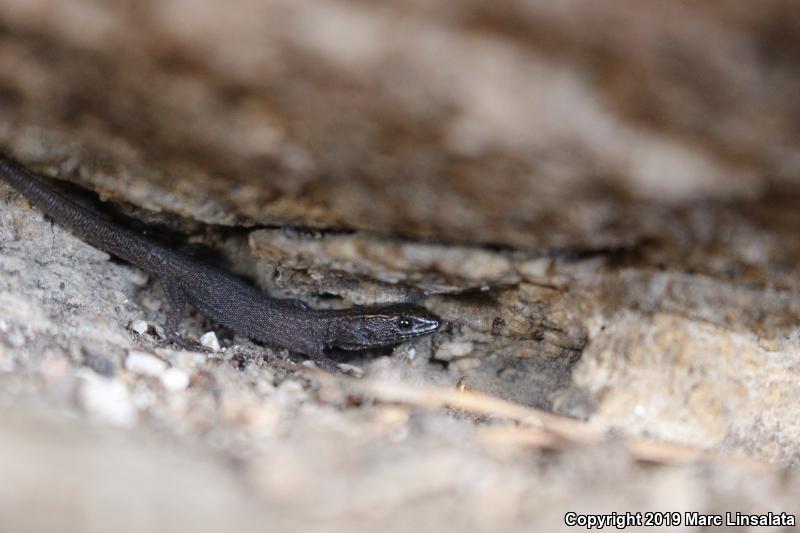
x: 222, y: 297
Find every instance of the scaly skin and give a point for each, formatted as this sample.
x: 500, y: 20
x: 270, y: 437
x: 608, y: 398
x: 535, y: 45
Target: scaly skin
x: 222, y: 297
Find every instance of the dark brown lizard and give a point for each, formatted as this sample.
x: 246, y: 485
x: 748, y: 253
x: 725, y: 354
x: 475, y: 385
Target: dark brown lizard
x: 227, y: 300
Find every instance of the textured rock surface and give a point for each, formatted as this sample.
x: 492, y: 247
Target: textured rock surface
x: 601, y: 199
x: 526, y: 123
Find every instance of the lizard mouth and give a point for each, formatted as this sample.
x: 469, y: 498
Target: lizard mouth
x: 423, y: 326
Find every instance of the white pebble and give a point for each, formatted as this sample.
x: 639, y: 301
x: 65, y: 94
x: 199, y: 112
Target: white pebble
x: 175, y: 379
x: 639, y: 410
x: 411, y: 354
x: 106, y: 399
x: 139, y: 326
x: 145, y: 364
x: 209, y: 340
x: 139, y: 277
x: 183, y: 359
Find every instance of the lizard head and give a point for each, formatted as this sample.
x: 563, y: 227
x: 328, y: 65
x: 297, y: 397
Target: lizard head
x: 373, y: 327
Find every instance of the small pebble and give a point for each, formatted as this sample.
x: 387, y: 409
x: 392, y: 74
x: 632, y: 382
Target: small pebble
x: 175, y: 379
x: 145, y: 364
x: 139, y: 326
x: 182, y: 358
x: 209, y: 340
x: 106, y: 399
x: 139, y: 277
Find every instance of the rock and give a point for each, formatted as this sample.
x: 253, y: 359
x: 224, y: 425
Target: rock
x: 139, y: 326
x: 410, y: 354
x: 139, y: 277
x: 145, y: 364
x: 188, y: 360
x: 209, y: 340
x: 434, y: 267
x: 706, y: 396
x: 496, y: 138
x: 175, y: 379
x: 106, y: 399
x: 600, y: 198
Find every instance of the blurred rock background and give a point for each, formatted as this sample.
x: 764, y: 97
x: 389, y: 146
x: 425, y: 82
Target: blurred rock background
x: 600, y: 197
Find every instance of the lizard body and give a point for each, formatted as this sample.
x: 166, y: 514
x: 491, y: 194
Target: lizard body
x: 222, y: 297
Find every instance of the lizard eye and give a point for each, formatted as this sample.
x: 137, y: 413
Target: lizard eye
x: 404, y: 323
